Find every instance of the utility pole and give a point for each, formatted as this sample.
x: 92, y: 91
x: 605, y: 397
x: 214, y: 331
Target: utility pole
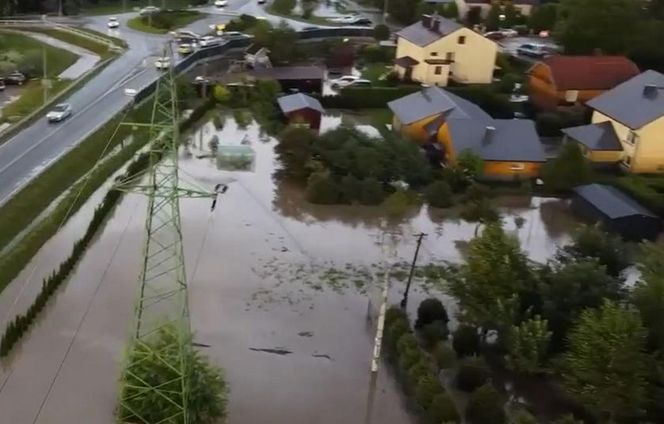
x: 44, y: 79
x: 404, y: 301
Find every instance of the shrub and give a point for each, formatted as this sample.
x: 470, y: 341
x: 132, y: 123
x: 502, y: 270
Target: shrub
x: 409, y: 358
x: 439, y: 194
x: 322, y: 189
x: 393, y: 314
x: 443, y: 410
x: 381, y: 32
x: 485, y: 405
x: 473, y: 373
x: 372, y: 192
x: 371, y: 97
x: 430, y: 310
x: 567, y: 419
x: 466, y: 341
x: 444, y: 355
x: 221, y: 94
x: 433, y: 333
x: 394, y: 331
x: 416, y: 371
x: 521, y: 416
x: 568, y: 170
x: 406, y: 342
x: 427, y: 388
x: 284, y: 7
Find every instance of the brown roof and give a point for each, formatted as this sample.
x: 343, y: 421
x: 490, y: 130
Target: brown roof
x: 406, y: 61
x: 590, y: 72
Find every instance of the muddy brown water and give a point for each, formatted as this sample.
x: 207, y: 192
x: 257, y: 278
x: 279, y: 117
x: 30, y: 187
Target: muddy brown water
x: 280, y: 290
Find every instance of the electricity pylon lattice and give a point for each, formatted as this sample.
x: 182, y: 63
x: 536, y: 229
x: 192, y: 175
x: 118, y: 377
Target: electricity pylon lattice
x: 162, y: 335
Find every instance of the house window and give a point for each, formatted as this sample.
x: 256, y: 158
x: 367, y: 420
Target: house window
x: 517, y: 167
x: 438, y: 70
x: 461, y: 39
x: 632, y: 137
x: 449, y: 56
x: 434, y: 53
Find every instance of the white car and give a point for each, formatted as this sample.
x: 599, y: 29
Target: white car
x: 59, y: 113
x: 232, y: 35
x: 163, y: 63
x: 509, y: 32
x: 359, y: 83
x: 209, y: 41
x: 113, y: 22
x: 220, y: 3
x: 149, y: 10
x: 343, y: 81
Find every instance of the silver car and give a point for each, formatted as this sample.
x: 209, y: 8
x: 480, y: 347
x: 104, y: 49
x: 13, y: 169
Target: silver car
x: 59, y: 113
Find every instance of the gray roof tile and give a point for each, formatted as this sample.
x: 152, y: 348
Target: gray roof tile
x: 630, y: 103
x: 599, y: 136
x: 611, y: 201
x: 418, y: 34
x: 299, y: 101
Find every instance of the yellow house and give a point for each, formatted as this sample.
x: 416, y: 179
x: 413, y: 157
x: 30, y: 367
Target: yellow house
x: 510, y: 148
x: 435, y: 49
x: 627, y: 126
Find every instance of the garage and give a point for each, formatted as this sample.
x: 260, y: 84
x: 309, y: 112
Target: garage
x: 616, y: 211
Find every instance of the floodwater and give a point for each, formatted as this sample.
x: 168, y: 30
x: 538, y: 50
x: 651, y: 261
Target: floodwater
x: 284, y: 294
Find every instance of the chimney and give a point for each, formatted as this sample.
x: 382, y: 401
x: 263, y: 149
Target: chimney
x: 651, y: 91
x: 426, y: 21
x: 435, y: 25
x: 490, y: 129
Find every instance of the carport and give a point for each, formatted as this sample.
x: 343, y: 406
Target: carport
x: 616, y: 211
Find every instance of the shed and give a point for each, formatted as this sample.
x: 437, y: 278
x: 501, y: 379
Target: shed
x: 301, y: 109
x: 617, y: 211
x: 307, y: 79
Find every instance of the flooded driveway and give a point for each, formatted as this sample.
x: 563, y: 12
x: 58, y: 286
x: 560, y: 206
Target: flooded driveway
x: 282, y: 292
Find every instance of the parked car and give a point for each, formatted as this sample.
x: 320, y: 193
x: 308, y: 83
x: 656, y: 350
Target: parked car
x: 361, y: 22
x: 209, y: 41
x: 495, y: 35
x: 59, y: 113
x: 359, y: 83
x: 233, y: 35
x: 533, y: 50
x: 185, y: 48
x: 15, y: 78
x: 220, y: 3
x: 149, y: 10
x: 113, y: 22
x: 509, y: 32
x: 343, y: 81
x: 2, y: 85
x: 163, y: 63
x: 185, y: 34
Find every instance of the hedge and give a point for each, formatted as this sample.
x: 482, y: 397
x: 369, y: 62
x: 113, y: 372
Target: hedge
x: 648, y: 190
x: 485, y: 96
x: 22, y: 322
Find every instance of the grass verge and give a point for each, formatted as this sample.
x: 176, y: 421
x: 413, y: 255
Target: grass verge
x: 32, y: 52
x: 31, y: 99
x: 100, y: 49
x: 164, y: 21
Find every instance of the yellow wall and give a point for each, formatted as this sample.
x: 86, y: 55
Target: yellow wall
x: 414, y: 131
x: 474, y: 61
x: 604, y: 155
x: 647, y: 155
x: 503, y: 170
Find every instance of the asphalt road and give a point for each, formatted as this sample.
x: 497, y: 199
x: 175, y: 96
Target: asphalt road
x: 33, y: 149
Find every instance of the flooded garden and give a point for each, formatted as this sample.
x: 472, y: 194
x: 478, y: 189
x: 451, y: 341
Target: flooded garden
x: 283, y: 293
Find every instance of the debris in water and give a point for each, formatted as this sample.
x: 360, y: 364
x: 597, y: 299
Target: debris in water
x: 305, y: 333
x: 275, y: 351
x: 200, y: 344
x: 322, y: 356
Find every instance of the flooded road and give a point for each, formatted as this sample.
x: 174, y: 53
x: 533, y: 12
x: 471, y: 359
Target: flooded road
x: 281, y: 291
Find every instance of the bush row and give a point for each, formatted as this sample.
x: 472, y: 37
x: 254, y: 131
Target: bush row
x: 22, y: 322
x: 415, y: 367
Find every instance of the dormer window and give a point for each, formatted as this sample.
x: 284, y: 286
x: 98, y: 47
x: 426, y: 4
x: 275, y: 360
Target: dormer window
x: 461, y: 39
x: 434, y: 53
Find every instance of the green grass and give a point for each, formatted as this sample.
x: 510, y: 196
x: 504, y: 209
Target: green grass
x: 179, y: 19
x: 100, y: 49
x: 57, y: 59
x: 111, y: 7
x: 375, y: 71
x: 32, y: 97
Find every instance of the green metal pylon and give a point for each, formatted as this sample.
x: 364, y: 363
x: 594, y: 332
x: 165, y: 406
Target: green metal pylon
x: 161, y: 339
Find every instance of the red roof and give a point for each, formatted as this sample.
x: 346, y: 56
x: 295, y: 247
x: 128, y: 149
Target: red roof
x: 590, y: 72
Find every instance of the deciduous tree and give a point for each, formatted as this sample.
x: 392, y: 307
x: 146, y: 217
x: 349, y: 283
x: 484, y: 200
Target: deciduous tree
x: 529, y: 345
x: 605, y: 367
